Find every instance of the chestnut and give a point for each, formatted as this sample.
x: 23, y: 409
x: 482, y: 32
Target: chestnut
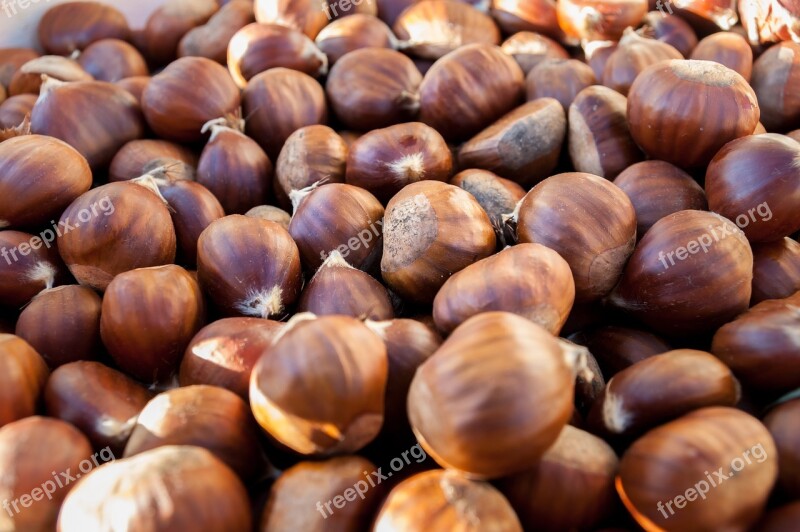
x: 168, y: 23
x: 384, y: 161
x: 62, y: 324
x: 600, y: 141
x: 430, y: 29
x: 138, y: 157
x: 112, y: 60
x: 431, y: 231
x: 446, y: 500
x: 237, y: 282
x: 529, y: 49
x: 277, y: 103
x: 496, y: 195
x: 599, y: 20
x: 781, y: 423
x: 112, y: 229
x: 521, y: 400
x: 102, y: 402
x: 670, y: 29
x: 543, y: 495
x: 307, y: 16
x: 211, y: 39
x: 259, y: 47
x: 338, y: 217
x: 75, y: 25
x: 761, y: 344
x: 338, y: 288
x: 316, y: 485
x: 28, y: 268
x: 271, y: 214
x: 40, y: 176
x: 633, y: 55
x: 529, y: 280
x: 694, y: 459
x: 28, y: 79
x: 35, y: 453
x: 372, y: 88
x: 135, y: 85
x: 462, y: 80
x: 616, y: 348
x: 597, y: 54
x: 658, y: 189
x: 753, y: 182
x: 776, y: 270
x: 527, y: 15
x: 667, y: 283
x: 138, y: 489
x: 729, y: 49
x: 24, y: 374
x: 776, y: 75
x: 311, y: 155
x: 320, y: 388
x: 352, y: 33
x: 14, y: 110
x: 11, y: 59
x: 683, y: 112
x: 561, y: 79
x: 186, y: 95
x: 588, y: 221
x: 223, y: 353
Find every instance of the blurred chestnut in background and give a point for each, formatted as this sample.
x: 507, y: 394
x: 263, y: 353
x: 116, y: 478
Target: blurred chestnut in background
x: 596, y: 54
x: 167, y: 25
x: 658, y: 189
x: 729, y: 49
x: 23, y: 376
x: 561, y: 79
x: 529, y: 49
x: 14, y: 109
x: 27, y: 268
x: 74, y: 26
x: 670, y: 29
x: 527, y: 15
x: 353, y: 32
x: 708, y: 16
x: 28, y: 79
x: 683, y: 112
x: 112, y: 60
x: 775, y: 80
x: 211, y: 39
x: 781, y: 519
x: 599, y: 20
x: 102, y: 402
x: 63, y: 324
x: 769, y: 20
x: 135, y: 85
x: 616, y: 348
x: 776, y: 270
x: 307, y: 16
x: 496, y: 195
x: 137, y: 157
x: 782, y: 424
x: 11, y: 59
x: 633, y: 55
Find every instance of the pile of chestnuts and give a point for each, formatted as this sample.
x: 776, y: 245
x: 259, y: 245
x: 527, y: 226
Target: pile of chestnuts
x: 402, y: 266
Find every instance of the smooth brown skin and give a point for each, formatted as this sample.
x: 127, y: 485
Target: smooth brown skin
x: 211, y: 40
x: 561, y: 79
x: 135, y: 85
x: 102, y: 402
x: 432, y: 29
x: 187, y: 94
x: 112, y: 60
x: 353, y: 32
x: 524, y: 145
x: 529, y: 280
x: 633, y: 55
x: 598, y: 55
x: 782, y: 422
x: 617, y: 348
x: 658, y: 189
x: 672, y: 30
x: 167, y: 25
x: 63, y: 324
x: 782, y: 519
x: 332, y: 217
x: 278, y: 102
x: 531, y: 15
x: 23, y: 373
x: 28, y: 79
x: 192, y: 208
x: 633, y: 400
x: 14, y: 109
x: 687, y: 297
x: 29, y: 274
x: 320, y: 390
x: 271, y: 214
x: 10, y: 61
x: 588, y: 221
x: 136, y: 157
x: 74, y: 26
x: 30, y: 450
x: 138, y: 234
x: 761, y: 345
x: 229, y: 273
x: 258, y: 47
x: 488, y: 415
x: 39, y: 177
x: 726, y: 48
x: 94, y: 117
x: 599, y: 20
x: 223, y: 353
x: 142, y: 485
x: 776, y: 78
x: 684, y: 121
x: 496, y: 195
x: 304, y: 15
x: 776, y: 270
x: 372, y: 88
x: 543, y: 496
x: 752, y: 171
x: 670, y: 459
x: 529, y: 49
x: 432, y: 230
x: 455, y: 93
x: 600, y: 141
x: 384, y: 161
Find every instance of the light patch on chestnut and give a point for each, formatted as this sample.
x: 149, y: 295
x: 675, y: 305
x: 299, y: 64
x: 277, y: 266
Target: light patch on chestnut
x: 43, y: 272
x: 582, y: 146
x: 410, y: 230
x: 615, y: 417
x: 409, y: 168
x: 705, y: 72
x: 262, y: 303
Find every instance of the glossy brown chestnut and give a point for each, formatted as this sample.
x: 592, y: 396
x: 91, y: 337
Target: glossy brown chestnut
x: 453, y: 95
x: 28, y: 79
x: 23, y: 376
x: 527, y: 15
x: 683, y: 112
x: 432, y: 230
x: 776, y: 270
x: 632, y: 56
x: 137, y: 157
x: 307, y: 16
x: 561, y: 79
x: 384, y: 161
x: 668, y: 285
x: 11, y: 59
x: 320, y: 389
x: 112, y: 229
x: 782, y: 424
x: 211, y: 39
x: 14, y: 109
x: 599, y: 20
x: 112, y: 60
x: 72, y: 394
x: 588, y: 221
x: 670, y: 29
x: 271, y: 214
x: 75, y: 25
x: 167, y: 25
x: 726, y: 48
x: 27, y: 267
x: 237, y: 282
x: 352, y: 33
x: 372, y: 88
x: 600, y: 141
x: 617, y: 348
x: 496, y: 195
x: 753, y: 182
x: 529, y: 49
x: 277, y: 103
